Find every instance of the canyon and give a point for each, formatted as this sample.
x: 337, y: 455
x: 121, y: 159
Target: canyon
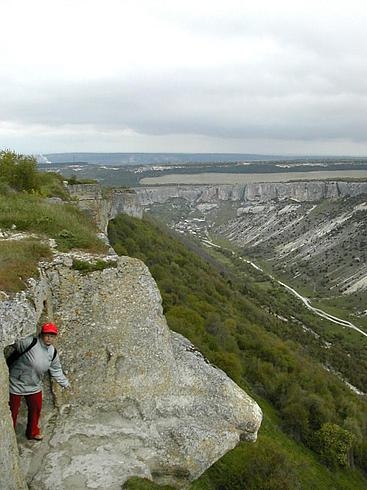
x: 306, y: 230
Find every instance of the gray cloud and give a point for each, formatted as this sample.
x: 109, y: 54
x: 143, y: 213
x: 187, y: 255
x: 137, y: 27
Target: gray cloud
x: 209, y: 106
x: 260, y: 75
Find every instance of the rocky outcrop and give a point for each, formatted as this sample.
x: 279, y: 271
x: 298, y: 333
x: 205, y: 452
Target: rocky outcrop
x: 145, y: 402
x: 17, y: 319
x: 260, y: 192
x: 11, y: 473
x: 102, y: 204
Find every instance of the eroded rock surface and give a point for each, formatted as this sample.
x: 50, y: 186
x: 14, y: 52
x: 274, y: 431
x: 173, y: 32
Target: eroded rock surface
x: 254, y: 192
x: 145, y: 402
x: 102, y: 205
x: 313, y: 230
x: 17, y: 319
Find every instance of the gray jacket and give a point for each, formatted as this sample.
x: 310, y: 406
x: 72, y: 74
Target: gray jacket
x: 25, y: 375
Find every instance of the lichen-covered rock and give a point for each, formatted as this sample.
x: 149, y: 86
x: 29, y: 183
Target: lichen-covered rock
x: 145, y: 402
x: 17, y: 319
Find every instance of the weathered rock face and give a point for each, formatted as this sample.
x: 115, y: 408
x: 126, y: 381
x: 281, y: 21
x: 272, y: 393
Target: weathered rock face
x: 314, y: 231
x: 11, y: 474
x: 17, y: 319
x: 302, y: 191
x: 103, y: 206
x: 144, y: 401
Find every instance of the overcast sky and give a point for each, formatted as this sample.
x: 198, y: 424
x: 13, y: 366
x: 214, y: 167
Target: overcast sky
x: 256, y: 76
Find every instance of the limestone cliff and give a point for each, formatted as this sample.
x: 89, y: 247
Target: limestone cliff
x: 145, y: 402
x: 314, y: 231
x: 260, y: 192
x: 103, y: 205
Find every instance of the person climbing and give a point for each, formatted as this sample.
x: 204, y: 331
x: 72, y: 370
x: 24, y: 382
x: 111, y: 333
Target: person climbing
x: 34, y: 357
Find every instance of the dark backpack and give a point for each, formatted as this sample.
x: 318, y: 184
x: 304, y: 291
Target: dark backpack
x: 10, y: 360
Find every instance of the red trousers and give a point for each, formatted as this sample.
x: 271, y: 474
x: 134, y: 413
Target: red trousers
x: 34, y: 404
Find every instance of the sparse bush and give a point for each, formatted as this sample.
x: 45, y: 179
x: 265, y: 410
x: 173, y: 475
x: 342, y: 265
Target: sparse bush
x: 19, y: 171
x: 73, y: 180
x: 98, y: 265
x: 52, y: 185
x: 5, y: 188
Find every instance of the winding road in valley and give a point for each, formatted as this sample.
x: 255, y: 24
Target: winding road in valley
x: 306, y: 302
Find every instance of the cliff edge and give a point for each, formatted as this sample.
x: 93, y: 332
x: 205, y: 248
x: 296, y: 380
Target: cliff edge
x: 145, y: 402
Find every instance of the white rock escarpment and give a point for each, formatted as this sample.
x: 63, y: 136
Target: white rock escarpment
x: 102, y: 204
x: 145, y: 402
x: 311, y: 229
x: 305, y: 191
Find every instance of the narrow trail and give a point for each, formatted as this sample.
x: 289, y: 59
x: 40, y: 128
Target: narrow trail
x: 307, y: 303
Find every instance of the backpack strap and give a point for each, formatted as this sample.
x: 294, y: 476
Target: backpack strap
x: 55, y: 354
x: 14, y: 356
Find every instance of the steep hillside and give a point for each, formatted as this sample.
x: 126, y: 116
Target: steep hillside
x: 313, y: 235
x: 227, y: 320
x: 323, y: 243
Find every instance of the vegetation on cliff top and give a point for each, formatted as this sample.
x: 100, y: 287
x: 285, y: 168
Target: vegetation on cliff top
x: 25, y: 207
x: 19, y: 173
x: 314, y: 428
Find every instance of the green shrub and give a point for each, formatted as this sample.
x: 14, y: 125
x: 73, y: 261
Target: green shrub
x: 51, y: 184
x: 229, y: 363
x: 5, y: 188
x: 73, y: 180
x: 263, y: 465
x: 334, y: 444
x: 98, y: 265
x: 19, y: 171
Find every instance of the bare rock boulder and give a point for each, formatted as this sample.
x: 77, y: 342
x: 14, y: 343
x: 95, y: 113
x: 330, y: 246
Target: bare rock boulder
x: 144, y: 403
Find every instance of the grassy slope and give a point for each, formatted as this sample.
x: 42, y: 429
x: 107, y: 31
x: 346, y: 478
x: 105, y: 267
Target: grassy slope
x: 19, y: 261
x: 207, y: 306
x: 66, y: 224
